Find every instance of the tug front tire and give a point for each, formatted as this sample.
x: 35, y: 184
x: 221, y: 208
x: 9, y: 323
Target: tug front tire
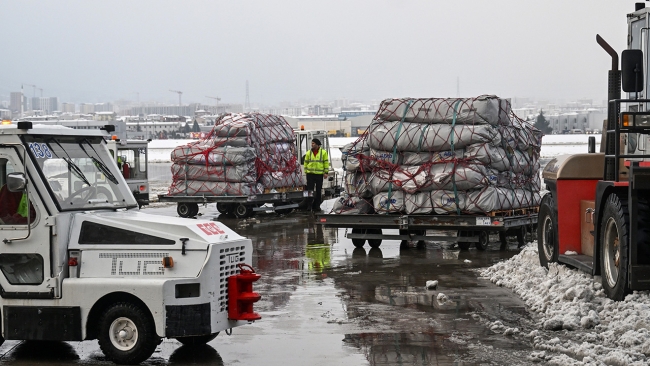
x: 127, y: 334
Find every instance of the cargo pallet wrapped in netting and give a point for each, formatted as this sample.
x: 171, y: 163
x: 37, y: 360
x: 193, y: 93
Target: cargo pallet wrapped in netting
x: 442, y: 156
x: 245, y: 154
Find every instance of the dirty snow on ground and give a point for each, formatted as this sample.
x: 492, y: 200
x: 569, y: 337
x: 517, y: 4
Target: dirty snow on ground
x: 576, y: 323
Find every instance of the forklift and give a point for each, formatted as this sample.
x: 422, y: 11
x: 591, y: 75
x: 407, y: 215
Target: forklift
x: 596, y: 216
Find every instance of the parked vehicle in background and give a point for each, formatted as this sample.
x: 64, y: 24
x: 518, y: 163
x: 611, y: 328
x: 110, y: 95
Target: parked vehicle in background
x: 132, y: 161
x: 332, y: 185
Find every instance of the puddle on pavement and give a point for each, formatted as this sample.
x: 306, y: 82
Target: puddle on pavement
x: 382, y: 291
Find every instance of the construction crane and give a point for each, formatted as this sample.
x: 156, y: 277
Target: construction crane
x: 216, y: 99
x: 33, y: 86
x: 179, y: 95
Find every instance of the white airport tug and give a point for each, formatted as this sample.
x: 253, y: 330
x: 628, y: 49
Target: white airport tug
x: 78, y: 261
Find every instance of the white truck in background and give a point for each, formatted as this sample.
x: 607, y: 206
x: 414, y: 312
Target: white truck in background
x: 79, y: 261
x: 132, y: 160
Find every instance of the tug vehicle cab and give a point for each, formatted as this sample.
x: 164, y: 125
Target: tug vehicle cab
x: 79, y: 261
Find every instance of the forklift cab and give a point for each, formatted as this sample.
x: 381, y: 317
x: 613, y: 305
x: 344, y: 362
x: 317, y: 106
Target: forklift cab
x: 597, y: 212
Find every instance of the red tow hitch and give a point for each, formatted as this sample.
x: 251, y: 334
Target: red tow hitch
x: 241, y: 296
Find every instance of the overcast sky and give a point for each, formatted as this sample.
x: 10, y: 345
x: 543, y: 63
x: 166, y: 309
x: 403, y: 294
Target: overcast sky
x: 98, y: 51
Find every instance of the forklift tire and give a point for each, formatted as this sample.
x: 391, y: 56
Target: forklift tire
x: 224, y: 208
x: 197, y: 340
x: 242, y: 211
x: 483, y: 240
x: 614, y: 248
x: 547, y: 243
x: 359, y: 243
x: 187, y: 210
x: 127, y: 334
x: 374, y: 243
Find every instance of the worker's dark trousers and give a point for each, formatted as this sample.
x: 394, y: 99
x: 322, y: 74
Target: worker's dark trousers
x: 315, y: 180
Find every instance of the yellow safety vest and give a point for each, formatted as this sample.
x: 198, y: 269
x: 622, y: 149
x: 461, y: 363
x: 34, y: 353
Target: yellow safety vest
x: 317, y: 164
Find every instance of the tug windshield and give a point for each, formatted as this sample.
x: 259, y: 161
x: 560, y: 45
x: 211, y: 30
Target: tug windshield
x: 79, y: 171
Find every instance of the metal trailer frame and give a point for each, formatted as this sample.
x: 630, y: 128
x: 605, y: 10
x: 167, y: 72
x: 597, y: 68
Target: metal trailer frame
x: 471, y: 228
x: 242, y: 206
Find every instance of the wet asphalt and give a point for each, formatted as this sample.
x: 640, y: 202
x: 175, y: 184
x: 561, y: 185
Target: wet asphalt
x: 325, y: 302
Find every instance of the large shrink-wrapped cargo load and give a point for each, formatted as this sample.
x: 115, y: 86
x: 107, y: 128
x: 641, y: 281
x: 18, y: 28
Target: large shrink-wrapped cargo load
x: 244, y: 154
x: 443, y: 155
x: 486, y: 109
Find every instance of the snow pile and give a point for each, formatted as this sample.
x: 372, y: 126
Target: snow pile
x: 576, y: 319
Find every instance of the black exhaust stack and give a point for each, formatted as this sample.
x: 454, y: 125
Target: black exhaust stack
x: 613, y: 92
x: 639, y: 6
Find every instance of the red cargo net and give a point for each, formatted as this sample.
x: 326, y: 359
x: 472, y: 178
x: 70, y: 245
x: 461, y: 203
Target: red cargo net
x: 244, y: 154
x: 453, y: 155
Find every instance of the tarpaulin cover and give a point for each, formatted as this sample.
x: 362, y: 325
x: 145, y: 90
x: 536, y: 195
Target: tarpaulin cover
x: 216, y: 173
x: 486, y: 109
x: 443, y: 155
x: 200, y: 188
x: 244, y: 154
x: 227, y: 155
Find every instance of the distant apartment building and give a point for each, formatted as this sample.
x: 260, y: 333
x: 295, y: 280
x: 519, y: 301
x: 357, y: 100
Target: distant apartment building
x: 68, y: 108
x: 104, y: 116
x: 319, y: 110
x: 104, y: 107
x: 15, y: 102
x: 580, y: 121
x: 292, y: 111
x: 86, y: 108
x: 45, y: 104
x: 151, y: 129
x: 186, y: 110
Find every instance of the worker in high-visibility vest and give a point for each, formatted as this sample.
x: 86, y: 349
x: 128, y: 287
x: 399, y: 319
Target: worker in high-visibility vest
x: 317, y: 165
